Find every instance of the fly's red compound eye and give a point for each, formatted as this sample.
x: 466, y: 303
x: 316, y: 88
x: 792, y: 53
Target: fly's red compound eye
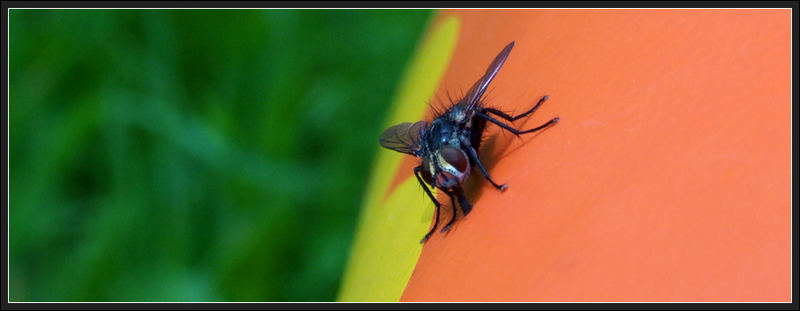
x: 455, y: 157
x: 445, y: 179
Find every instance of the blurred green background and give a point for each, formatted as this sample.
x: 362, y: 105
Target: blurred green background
x: 194, y: 155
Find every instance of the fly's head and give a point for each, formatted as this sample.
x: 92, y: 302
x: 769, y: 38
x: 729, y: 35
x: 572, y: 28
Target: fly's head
x: 446, y: 167
x: 446, y: 164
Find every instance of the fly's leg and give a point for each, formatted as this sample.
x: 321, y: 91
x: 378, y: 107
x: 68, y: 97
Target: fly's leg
x: 548, y: 123
x: 422, y: 183
x: 435, y: 224
x: 435, y: 202
x: 453, y: 219
x: 465, y: 206
x: 510, y: 118
x: 513, y: 130
x: 474, y: 155
x: 486, y: 111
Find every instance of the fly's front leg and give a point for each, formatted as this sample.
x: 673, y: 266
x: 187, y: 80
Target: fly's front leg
x: 435, y: 202
x: 474, y: 155
x: 422, y: 183
x: 455, y: 212
x: 466, y: 207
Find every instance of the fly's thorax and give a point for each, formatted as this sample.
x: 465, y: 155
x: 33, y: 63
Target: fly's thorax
x: 443, y: 131
x: 457, y: 114
x: 462, y: 114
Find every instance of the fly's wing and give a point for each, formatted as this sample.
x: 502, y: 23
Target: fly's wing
x: 475, y: 93
x: 404, y: 137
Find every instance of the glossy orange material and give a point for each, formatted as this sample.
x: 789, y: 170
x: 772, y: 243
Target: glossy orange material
x: 667, y: 179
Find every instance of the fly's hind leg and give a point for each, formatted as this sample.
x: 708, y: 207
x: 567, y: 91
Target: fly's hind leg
x: 485, y: 114
x: 512, y: 119
x: 516, y: 131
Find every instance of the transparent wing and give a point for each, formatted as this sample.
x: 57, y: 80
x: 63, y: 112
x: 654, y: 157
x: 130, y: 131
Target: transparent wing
x: 404, y: 137
x: 475, y: 93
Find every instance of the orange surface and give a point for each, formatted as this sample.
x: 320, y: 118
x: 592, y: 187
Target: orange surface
x: 667, y: 179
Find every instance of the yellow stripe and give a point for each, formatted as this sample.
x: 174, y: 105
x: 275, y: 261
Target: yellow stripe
x: 387, y: 247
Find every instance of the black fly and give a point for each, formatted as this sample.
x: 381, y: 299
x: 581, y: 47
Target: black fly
x: 449, y: 145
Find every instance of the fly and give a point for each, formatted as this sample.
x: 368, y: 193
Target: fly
x: 448, y: 146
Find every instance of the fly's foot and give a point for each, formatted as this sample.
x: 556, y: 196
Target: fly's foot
x: 445, y: 228
x: 425, y: 238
